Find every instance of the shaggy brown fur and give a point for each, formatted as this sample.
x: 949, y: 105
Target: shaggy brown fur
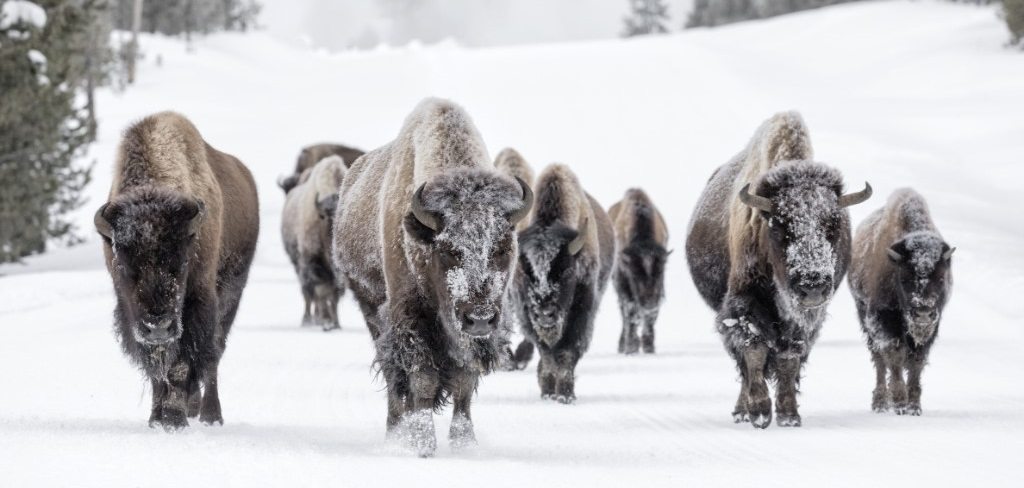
x: 901, y: 280
x: 642, y: 241
x: 566, y: 256
x: 179, y: 258
x: 306, y: 225
x: 424, y: 238
x: 770, y: 271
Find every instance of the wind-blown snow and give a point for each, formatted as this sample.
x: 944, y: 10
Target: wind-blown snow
x: 872, y: 80
x: 14, y: 11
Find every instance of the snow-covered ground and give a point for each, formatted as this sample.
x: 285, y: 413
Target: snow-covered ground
x: 898, y: 93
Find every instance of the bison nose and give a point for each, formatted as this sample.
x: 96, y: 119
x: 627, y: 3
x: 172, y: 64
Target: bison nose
x: 923, y: 315
x: 479, y: 323
x: 813, y: 294
x: 158, y: 328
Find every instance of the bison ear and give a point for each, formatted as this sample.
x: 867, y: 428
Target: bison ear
x: 894, y: 255
x: 102, y: 224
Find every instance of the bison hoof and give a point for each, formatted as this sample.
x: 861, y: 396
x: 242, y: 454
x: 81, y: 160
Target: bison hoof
x: 788, y: 420
x: 565, y: 399
x: 761, y: 420
x: 171, y: 422
x: 914, y: 410
x: 218, y: 420
x: 416, y: 429
x: 330, y: 327
x: 900, y: 409
x: 740, y: 417
x: 879, y: 407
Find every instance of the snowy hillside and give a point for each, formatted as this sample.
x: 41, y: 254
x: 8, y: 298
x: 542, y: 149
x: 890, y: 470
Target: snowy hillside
x: 895, y: 93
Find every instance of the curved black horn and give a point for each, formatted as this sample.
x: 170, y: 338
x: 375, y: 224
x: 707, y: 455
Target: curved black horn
x: 855, y: 198
x: 425, y: 216
x: 576, y: 245
x: 755, y: 201
x: 101, y: 222
x: 527, y: 203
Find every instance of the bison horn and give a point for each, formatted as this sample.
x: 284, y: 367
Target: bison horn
x: 102, y: 224
x: 755, y: 201
x: 855, y: 198
x: 524, y: 210
x: 423, y: 215
x: 949, y: 253
x: 894, y: 255
x: 576, y: 244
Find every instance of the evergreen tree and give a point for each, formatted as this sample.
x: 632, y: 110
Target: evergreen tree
x: 44, y: 66
x: 646, y: 17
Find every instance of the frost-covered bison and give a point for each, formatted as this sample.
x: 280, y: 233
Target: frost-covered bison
x: 306, y: 228
x: 310, y: 155
x: 565, y: 258
x: 900, y: 278
x: 425, y: 239
x: 641, y: 237
x: 768, y: 244
x: 179, y: 232
x: 510, y: 162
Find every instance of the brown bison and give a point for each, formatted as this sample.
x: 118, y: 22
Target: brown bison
x: 768, y: 244
x: 425, y: 239
x: 639, y: 276
x: 565, y: 258
x: 900, y: 278
x: 312, y: 154
x: 306, y: 227
x: 179, y: 256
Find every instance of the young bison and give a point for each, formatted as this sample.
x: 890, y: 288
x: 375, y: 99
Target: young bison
x: 179, y: 256
x: 900, y: 278
x: 565, y: 258
x: 639, y: 276
x: 425, y: 239
x: 306, y: 228
x: 769, y: 243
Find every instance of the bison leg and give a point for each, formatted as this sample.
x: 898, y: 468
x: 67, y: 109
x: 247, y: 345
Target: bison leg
x: 461, y: 433
x: 209, y: 410
x: 894, y: 359
x: 759, y: 404
x: 546, y: 368
x: 629, y: 342
x: 159, y: 392
x: 565, y: 377
x: 418, y: 423
x: 880, y: 395
x: 522, y: 355
x: 915, y: 365
x: 174, y: 407
x: 647, y: 340
x: 307, y: 309
x: 194, y: 398
x: 397, y: 407
x: 739, y: 412
x: 788, y: 374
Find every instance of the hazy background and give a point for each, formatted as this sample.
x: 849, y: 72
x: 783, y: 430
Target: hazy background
x: 337, y: 24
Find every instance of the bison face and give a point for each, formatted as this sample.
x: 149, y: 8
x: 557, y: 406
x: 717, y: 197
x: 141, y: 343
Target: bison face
x: 807, y: 229
x: 151, y: 241
x: 463, y: 225
x: 642, y: 265
x: 922, y: 260
x: 548, y: 258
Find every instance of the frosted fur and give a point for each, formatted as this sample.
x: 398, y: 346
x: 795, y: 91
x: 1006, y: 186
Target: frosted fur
x: 900, y: 299
x: 416, y: 283
x: 755, y: 267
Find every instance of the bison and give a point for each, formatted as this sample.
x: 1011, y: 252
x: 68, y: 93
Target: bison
x: 306, y: 228
x: 900, y: 278
x: 768, y: 244
x: 425, y: 240
x: 178, y: 254
x: 565, y: 258
x: 312, y: 154
x: 639, y: 275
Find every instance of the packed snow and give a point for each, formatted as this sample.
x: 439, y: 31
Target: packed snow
x: 897, y: 93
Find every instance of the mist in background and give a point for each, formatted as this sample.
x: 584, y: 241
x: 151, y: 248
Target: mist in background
x: 343, y: 24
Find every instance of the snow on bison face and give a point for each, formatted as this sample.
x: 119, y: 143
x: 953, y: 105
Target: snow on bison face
x: 922, y: 280
x: 461, y: 229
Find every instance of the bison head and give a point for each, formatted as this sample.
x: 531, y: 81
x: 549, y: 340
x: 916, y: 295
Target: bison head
x: 922, y: 260
x: 808, y: 230
x: 461, y: 227
x: 549, y: 258
x: 151, y: 238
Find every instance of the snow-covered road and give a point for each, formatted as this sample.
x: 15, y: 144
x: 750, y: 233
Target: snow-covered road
x: 897, y: 93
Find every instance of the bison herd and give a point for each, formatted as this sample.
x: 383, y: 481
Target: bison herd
x: 447, y: 252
